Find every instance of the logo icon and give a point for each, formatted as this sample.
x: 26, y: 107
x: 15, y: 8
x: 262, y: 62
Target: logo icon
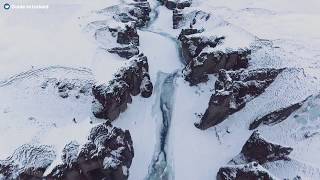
x: 6, y: 6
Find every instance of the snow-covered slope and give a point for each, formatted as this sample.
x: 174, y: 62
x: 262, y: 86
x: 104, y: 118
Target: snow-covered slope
x: 232, y: 90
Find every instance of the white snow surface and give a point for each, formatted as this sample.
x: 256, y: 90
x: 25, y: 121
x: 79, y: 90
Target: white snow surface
x: 40, y: 44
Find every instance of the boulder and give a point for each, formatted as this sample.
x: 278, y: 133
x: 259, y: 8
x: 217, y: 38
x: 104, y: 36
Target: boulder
x: 260, y: 150
x: 250, y: 171
x: 233, y: 90
x: 107, y: 155
x: 111, y: 99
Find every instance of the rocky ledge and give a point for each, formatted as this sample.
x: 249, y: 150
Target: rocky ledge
x: 112, y: 98
x: 277, y: 116
x: 260, y: 150
x: 233, y: 90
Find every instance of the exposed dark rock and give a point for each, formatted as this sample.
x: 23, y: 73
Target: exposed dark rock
x: 173, y: 4
x: 136, y: 12
x: 107, y: 155
x: 193, y: 45
x: 250, y: 171
x: 210, y: 63
x: 277, y: 116
x: 184, y: 3
x: 67, y: 87
x: 129, y: 17
x: 112, y: 98
x: 188, y: 31
x: 146, y: 86
x: 27, y: 162
x: 177, y: 18
x: 109, y: 36
x: 260, y: 150
x: 125, y: 52
x: 128, y: 36
x: 233, y: 90
x: 200, y: 62
x: 141, y: 13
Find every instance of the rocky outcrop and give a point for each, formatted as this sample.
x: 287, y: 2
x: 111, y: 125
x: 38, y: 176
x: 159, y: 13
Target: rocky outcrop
x: 112, y: 98
x: 118, y: 32
x: 107, y: 155
x: 128, y: 36
x: 190, y: 19
x: 202, y: 59
x: 136, y: 12
x: 173, y: 4
x: 277, y: 116
x: 125, y: 52
x: 27, y: 162
x: 141, y: 12
x: 248, y: 171
x: 192, y: 44
x: 260, y: 150
x: 233, y: 90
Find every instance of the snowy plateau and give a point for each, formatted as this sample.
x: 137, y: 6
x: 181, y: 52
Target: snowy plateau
x: 160, y: 90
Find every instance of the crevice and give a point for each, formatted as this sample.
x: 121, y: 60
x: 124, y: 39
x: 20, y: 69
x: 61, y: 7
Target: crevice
x: 160, y: 167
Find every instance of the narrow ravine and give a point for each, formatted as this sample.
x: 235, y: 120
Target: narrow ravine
x: 166, y: 71
x: 161, y: 165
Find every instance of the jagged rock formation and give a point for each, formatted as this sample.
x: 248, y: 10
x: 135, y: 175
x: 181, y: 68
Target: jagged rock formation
x: 202, y: 59
x: 277, y: 116
x: 128, y: 36
x: 125, y: 52
x: 260, y: 150
x: 118, y: 33
x: 27, y: 162
x: 233, y: 90
x: 107, y: 155
x: 248, y: 171
x: 112, y: 98
x: 68, y: 87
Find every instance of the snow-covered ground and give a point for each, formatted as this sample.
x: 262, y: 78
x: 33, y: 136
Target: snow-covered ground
x: 37, y: 45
